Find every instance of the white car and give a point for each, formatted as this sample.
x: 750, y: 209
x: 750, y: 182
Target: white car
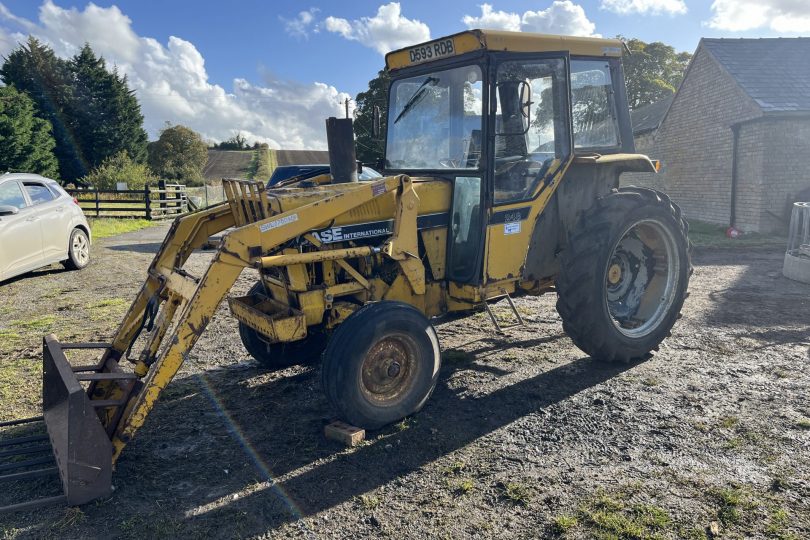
x: 40, y: 224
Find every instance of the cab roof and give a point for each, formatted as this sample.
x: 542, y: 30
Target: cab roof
x: 500, y: 40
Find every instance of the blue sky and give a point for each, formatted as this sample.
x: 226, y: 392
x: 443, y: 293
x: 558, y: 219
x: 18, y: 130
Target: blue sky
x: 275, y: 70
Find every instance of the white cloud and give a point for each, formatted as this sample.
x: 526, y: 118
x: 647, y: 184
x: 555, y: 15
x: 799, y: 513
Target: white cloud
x: 785, y: 16
x: 489, y: 18
x: 653, y: 7
x: 302, y: 24
x: 386, y: 31
x: 172, y: 84
x: 561, y: 17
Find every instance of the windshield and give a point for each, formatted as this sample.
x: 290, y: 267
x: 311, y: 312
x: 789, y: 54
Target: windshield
x: 434, y: 120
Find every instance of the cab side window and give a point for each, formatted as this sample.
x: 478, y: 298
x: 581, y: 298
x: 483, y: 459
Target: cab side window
x: 38, y: 193
x: 12, y: 195
x: 593, y: 105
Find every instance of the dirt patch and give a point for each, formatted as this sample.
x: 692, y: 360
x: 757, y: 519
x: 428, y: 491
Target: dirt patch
x: 525, y: 436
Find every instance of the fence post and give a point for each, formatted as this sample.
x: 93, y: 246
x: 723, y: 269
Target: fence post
x: 148, y: 200
x: 98, y: 214
x: 162, y: 196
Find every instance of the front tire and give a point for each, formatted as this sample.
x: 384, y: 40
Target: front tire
x: 381, y: 364
x: 280, y: 355
x: 624, y: 276
x: 78, y: 250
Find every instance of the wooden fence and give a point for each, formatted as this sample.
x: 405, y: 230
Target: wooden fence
x: 164, y: 201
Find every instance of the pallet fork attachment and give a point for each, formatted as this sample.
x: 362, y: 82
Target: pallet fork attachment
x: 91, y: 412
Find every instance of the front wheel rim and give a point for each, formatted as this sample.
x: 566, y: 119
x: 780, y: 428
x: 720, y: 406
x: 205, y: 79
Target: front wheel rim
x: 389, y: 370
x: 641, y: 278
x: 81, y: 251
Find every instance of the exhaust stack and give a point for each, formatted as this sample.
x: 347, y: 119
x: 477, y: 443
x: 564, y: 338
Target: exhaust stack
x: 342, y: 157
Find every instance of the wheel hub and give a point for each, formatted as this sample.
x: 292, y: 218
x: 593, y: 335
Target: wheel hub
x: 641, y: 277
x: 614, y: 274
x: 389, y: 369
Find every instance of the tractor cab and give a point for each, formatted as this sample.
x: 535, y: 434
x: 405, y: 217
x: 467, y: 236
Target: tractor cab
x: 502, y: 116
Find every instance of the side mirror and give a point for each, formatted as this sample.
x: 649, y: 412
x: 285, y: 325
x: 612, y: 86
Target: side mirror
x: 516, y: 104
x: 8, y: 210
x: 376, y: 122
x: 525, y: 92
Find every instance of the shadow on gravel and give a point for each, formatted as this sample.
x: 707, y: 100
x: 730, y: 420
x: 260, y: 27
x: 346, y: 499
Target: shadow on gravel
x: 449, y: 422
x: 47, y: 271
x: 146, y: 247
x: 760, y: 296
x: 150, y: 247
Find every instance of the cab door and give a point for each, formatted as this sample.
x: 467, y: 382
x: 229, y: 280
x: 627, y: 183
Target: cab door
x: 465, y: 237
x: 530, y: 149
x: 20, y: 234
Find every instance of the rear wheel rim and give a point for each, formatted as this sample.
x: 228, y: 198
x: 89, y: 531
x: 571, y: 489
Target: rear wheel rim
x: 641, y: 278
x: 81, y: 249
x: 389, y: 369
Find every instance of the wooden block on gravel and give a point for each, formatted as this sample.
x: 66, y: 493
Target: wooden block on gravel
x: 344, y: 433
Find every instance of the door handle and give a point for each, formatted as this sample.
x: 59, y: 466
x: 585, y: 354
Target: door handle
x: 32, y: 218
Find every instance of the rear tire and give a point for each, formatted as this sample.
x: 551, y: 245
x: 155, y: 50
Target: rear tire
x: 78, y: 250
x: 381, y: 364
x: 281, y: 355
x: 624, y: 276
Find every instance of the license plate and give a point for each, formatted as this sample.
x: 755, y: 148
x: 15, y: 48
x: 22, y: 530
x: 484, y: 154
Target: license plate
x: 431, y: 51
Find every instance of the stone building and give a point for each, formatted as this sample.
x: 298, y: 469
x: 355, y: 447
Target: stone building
x: 645, y: 122
x: 734, y: 143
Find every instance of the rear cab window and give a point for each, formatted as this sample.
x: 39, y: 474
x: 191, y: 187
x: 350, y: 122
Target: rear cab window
x: 38, y: 193
x: 11, y: 195
x: 593, y: 105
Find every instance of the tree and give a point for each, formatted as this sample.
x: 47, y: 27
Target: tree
x: 120, y: 168
x: 26, y: 142
x: 93, y: 112
x: 370, y: 149
x: 237, y: 142
x: 35, y: 70
x: 105, y: 112
x: 652, y: 72
x: 179, y: 154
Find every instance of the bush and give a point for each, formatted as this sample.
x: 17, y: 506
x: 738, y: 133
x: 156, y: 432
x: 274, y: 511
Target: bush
x: 120, y: 168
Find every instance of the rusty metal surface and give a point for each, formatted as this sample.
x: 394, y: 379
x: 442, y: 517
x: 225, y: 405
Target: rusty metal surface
x: 80, y: 443
x: 389, y: 369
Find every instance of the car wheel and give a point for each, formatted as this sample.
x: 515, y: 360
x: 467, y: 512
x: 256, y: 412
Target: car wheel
x: 78, y: 250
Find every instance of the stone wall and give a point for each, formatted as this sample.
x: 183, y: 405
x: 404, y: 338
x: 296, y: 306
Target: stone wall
x: 786, y: 167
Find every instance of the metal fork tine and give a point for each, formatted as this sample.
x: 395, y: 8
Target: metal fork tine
x: 22, y: 421
x: 22, y: 440
x: 26, y: 463
x: 28, y: 474
x: 25, y: 450
x: 36, y: 503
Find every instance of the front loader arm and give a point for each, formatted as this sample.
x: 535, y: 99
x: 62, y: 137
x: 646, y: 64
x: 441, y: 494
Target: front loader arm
x: 240, y: 248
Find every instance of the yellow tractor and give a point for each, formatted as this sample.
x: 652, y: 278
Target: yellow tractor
x: 503, y: 153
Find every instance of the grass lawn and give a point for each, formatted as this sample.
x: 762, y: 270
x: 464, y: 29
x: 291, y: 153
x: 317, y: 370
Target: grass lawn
x: 104, y: 227
x: 710, y: 235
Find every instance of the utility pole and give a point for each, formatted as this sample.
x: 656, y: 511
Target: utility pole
x: 346, y: 104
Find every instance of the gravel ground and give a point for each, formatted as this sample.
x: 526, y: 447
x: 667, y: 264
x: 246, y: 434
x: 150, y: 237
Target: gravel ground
x: 524, y: 437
